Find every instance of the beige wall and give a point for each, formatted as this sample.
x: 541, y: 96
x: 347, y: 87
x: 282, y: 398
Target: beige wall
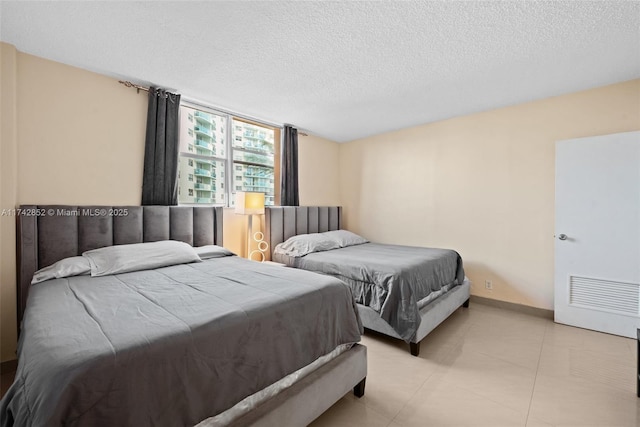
x: 70, y: 136
x: 8, y: 198
x: 318, y: 171
x: 481, y: 184
x: 81, y: 136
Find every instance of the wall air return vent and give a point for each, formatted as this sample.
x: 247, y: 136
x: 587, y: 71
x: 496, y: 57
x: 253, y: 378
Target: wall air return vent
x: 605, y: 295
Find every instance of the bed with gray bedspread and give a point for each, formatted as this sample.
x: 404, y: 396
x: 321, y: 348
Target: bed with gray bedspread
x: 393, y: 280
x: 218, y: 331
x: 379, y: 274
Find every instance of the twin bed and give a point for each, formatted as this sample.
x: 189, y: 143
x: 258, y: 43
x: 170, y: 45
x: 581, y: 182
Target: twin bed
x: 214, y: 340
x: 404, y: 292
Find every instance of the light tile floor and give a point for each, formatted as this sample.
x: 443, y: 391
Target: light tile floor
x: 486, y: 366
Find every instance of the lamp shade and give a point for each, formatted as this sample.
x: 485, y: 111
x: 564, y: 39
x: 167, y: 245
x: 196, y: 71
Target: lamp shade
x: 249, y: 203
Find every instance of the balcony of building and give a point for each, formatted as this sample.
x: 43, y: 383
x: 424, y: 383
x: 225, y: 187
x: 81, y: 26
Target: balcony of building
x: 261, y: 159
x: 268, y: 189
x: 257, y: 180
x: 204, y: 187
x: 203, y: 131
x: 205, y: 146
x: 204, y: 172
x: 205, y: 152
x: 207, y: 163
x: 255, y: 145
x: 207, y: 119
x: 204, y: 200
x: 259, y: 174
x: 254, y: 134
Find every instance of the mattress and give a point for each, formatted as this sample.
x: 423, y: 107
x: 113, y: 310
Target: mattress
x: 170, y: 346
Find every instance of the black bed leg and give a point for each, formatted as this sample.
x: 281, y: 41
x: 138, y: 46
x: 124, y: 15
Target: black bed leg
x: 415, y: 348
x: 466, y: 303
x: 358, y: 390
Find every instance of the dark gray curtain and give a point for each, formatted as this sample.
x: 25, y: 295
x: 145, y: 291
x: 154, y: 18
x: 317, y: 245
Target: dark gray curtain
x: 289, y: 168
x: 159, y: 182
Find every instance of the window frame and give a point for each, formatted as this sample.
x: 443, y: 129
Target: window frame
x: 229, y: 170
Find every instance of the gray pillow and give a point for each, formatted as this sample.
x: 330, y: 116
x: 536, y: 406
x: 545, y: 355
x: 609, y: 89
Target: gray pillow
x: 303, y: 244
x: 212, y: 251
x: 67, y: 267
x: 345, y: 238
x: 139, y: 256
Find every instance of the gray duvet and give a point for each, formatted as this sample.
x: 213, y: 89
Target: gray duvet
x: 390, y: 279
x: 171, y: 346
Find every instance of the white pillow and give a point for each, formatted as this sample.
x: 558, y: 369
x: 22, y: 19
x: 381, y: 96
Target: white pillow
x: 73, y: 266
x: 212, y: 251
x: 139, y: 256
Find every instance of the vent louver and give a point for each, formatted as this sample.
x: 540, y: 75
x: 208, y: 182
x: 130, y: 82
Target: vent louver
x: 605, y: 295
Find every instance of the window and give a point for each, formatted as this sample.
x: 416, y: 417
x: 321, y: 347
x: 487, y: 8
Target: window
x: 253, y: 148
x: 208, y: 153
x: 202, y: 153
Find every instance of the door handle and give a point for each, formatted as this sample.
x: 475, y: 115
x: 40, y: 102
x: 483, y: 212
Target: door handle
x: 562, y: 237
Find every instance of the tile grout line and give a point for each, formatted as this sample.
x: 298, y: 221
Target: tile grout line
x: 393, y: 420
x: 412, y: 396
x: 535, y: 379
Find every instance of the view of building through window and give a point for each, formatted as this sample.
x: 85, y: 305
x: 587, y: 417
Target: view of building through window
x: 215, y: 162
x: 253, y: 159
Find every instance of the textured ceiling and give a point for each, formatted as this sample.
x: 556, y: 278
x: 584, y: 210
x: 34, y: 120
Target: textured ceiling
x: 342, y: 70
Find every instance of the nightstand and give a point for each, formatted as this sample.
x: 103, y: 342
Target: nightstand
x: 274, y: 263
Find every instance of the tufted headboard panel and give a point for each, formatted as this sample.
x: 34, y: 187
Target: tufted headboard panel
x: 282, y: 222
x: 48, y: 233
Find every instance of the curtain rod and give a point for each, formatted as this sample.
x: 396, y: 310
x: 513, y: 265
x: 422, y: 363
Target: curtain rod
x: 146, y: 89
x: 129, y: 84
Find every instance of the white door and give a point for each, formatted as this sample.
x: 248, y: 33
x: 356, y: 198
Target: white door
x: 597, y: 240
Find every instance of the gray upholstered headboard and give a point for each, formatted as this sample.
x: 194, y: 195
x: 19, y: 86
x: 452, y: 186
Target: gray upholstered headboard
x: 48, y: 233
x: 282, y: 222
